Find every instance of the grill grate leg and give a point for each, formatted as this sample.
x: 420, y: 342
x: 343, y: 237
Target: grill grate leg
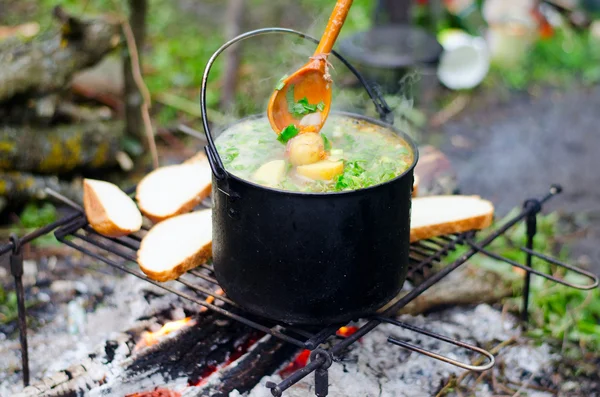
x: 321, y: 382
x: 534, y: 207
x: 16, y: 269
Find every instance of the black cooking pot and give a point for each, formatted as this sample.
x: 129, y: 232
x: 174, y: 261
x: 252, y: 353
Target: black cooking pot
x: 309, y: 258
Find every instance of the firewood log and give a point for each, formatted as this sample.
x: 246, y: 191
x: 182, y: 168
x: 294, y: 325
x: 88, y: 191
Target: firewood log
x: 59, y: 149
x: 20, y: 187
x: 47, y: 62
x: 468, y: 285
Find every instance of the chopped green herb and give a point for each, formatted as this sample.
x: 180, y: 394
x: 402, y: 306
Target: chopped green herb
x: 231, y: 154
x: 326, y: 142
x: 303, y: 107
x: 281, y: 84
x: 352, y: 178
x: 288, y: 133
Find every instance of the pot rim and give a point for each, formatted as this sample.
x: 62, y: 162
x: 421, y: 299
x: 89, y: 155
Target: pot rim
x: 380, y: 123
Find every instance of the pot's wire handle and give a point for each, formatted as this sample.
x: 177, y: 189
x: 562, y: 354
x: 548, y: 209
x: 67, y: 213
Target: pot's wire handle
x: 216, y: 164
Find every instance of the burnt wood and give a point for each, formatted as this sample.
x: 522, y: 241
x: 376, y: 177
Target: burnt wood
x: 240, y: 356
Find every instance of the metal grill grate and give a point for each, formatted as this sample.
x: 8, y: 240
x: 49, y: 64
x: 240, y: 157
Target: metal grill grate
x: 200, y: 286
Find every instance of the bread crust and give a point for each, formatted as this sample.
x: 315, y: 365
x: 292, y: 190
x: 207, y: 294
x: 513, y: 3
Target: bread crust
x: 460, y: 226
x: 184, y: 207
x: 195, y: 260
x: 476, y: 222
x: 172, y: 271
x: 97, y: 215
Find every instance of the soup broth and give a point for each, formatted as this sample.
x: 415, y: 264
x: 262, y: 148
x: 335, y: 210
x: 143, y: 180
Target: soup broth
x: 370, y: 154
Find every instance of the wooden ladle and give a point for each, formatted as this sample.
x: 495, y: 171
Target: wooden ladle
x: 312, y: 81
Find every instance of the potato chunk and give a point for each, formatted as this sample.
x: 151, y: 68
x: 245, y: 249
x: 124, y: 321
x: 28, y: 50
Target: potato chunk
x: 323, y: 170
x: 271, y: 173
x: 307, y: 148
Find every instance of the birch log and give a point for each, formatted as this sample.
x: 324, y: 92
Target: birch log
x: 61, y: 148
x: 19, y: 187
x: 47, y: 62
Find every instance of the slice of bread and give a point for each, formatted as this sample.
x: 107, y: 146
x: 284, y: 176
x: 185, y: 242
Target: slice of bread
x: 440, y: 215
x: 174, y: 189
x: 176, y: 245
x: 109, y: 210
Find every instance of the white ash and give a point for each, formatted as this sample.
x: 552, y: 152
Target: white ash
x: 374, y: 367
x: 73, y: 334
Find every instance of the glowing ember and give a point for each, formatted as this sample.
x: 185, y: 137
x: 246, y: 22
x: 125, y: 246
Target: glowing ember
x: 203, y: 378
x: 210, y: 299
x: 156, y: 393
x: 152, y: 338
x: 345, y: 332
x: 237, y: 353
x: 299, y: 362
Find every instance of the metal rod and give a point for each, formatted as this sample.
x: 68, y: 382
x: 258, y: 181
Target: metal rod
x: 205, y: 291
x: 64, y: 199
x: 105, y: 247
x: 16, y: 269
x: 296, y: 330
x: 422, y: 252
x: 321, y: 336
x: 477, y: 368
x: 39, y: 232
x: 539, y: 273
x: 590, y: 275
x: 531, y: 225
x: 134, y: 245
x: 204, y: 276
x: 278, y: 389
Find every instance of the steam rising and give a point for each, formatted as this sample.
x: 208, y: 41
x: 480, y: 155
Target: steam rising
x: 267, y: 58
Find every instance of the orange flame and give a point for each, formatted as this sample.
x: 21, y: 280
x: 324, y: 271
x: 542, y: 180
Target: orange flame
x: 151, y: 338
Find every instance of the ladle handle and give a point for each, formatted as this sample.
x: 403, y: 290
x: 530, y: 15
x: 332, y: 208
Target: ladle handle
x: 385, y: 113
x: 332, y: 31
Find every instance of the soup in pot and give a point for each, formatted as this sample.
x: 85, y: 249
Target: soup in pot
x: 351, y: 154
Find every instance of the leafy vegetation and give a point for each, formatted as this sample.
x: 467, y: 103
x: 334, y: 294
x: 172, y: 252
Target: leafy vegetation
x: 34, y: 216
x: 8, y: 306
x: 566, y: 57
